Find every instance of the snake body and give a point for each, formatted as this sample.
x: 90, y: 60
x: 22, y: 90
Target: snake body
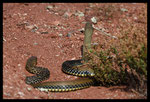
x: 73, y: 67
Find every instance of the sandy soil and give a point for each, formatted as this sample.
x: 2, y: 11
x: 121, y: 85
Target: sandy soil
x: 53, y: 33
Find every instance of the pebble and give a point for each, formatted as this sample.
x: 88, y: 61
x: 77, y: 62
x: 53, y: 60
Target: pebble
x: 38, y: 32
x: 56, y: 55
x: 60, y: 35
x: 7, y: 94
x: 69, y: 35
x: 91, y: 5
x: 4, y: 39
x: 73, y: 58
x: 79, y: 13
x: 15, y: 38
x: 109, y: 21
x: 45, y: 32
x: 35, y: 43
x: 59, y: 46
x: 21, y: 93
x: 124, y: 10
x: 135, y: 18
x: 19, y: 65
x: 66, y: 15
x: 34, y: 29
x: 11, y: 87
x: 81, y: 30
x: 95, y: 43
x: 25, y: 14
x: 49, y: 7
x: 78, y: 93
x: 29, y: 89
x: 30, y: 26
x: 68, y: 77
x: 94, y: 20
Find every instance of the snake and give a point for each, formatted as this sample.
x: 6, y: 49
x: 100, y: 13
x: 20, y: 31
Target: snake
x: 71, y: 67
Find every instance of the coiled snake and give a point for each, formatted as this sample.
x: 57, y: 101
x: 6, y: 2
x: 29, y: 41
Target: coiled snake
x: 73, y: 67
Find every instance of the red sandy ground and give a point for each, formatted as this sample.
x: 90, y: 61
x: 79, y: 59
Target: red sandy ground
x: 21, y: 40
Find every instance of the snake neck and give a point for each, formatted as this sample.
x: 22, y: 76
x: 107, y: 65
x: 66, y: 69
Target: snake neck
x: 87, y: 40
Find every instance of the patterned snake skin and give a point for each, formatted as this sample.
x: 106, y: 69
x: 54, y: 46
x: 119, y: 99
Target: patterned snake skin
x: 73, y: 67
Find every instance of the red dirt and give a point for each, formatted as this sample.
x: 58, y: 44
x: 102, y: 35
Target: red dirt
x: 33, y: 30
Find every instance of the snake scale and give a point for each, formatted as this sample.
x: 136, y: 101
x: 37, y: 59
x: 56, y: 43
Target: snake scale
x: 73, y: 67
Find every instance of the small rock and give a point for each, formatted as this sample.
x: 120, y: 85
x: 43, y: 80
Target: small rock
x: 4, y: 39
x: 123, y: 9
x: 79, y: 13
x: 68, y: 77
x: 21, y: 93
x: 94, y: 20
x: 11, y: 87
x: 15, y: 38
x: 73, y: 58
x: 109, y: 21
x: 19, y: 65
x: 35, y: 43
x: 69, y: 35
x: 60, y: 35
x: 38, y: 32
x: 25, y: 14
x: 67, y: 14
x: 59, y: 46
x: 95, y: 43
x: 30, y: 26
x: 135, y: 18
x: 81, y: 30
x: 91, y: 5
x: 44, y: 32
x: 29, y: 89
x: 34, y: 29
x: 56, y: 23
x: 7, y: 94
x: 56, y: 13
x: 49, y: 7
